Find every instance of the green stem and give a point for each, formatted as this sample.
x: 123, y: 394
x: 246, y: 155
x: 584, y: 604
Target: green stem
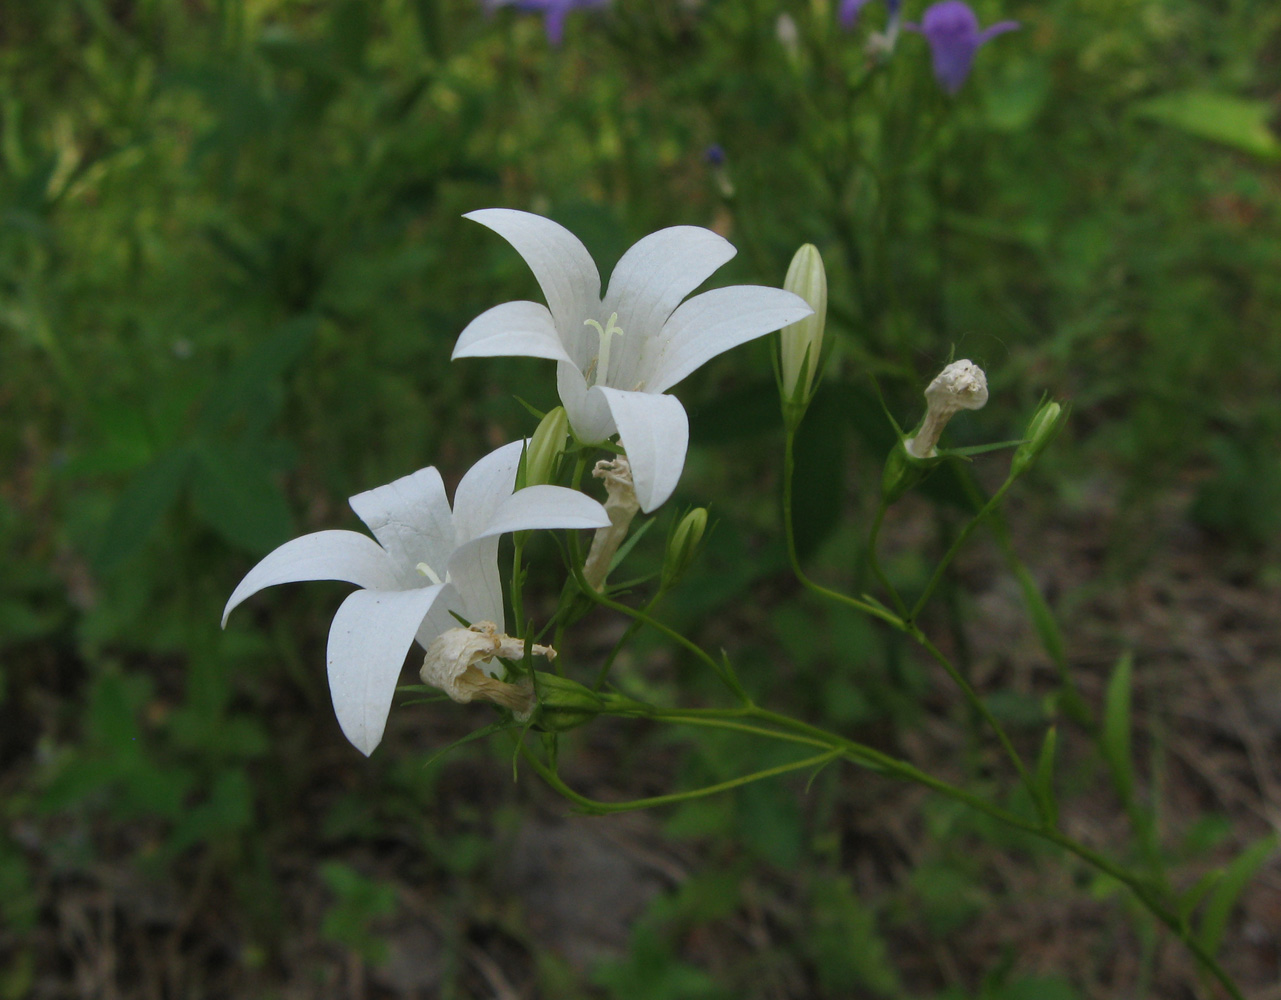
x: 875, y: 563
x: 598, y: 807
x: 789, y: 532
x: 961, y: 538
x: 726, y: 676
x: 623, y: 640
x: 796, y: 731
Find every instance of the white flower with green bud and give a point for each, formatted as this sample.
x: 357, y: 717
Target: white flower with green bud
x: 428, y: 560
x: 617, y: 355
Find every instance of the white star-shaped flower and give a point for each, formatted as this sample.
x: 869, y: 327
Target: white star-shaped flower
x: 618, y: 355
x: 426, y: 562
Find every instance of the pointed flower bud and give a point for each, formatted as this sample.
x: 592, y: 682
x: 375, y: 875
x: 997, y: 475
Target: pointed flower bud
x: 1043, y: 428
x: 960, y: 386
x: 621, y: 506
x: 563, y: 704
x: 801, y: 343
x: 546, y: 447
x: 683, y: 545
x: 461, y: 663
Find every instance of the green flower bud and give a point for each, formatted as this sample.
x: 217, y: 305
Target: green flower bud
x: 683, y: 545
x: 1043, y: 429
x: 563, y: 704
x: 801, y: 343
x: 546, y: 447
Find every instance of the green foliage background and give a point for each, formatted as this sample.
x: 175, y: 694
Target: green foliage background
x: 233, y: 265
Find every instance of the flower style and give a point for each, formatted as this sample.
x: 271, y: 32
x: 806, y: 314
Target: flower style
x: 952, y: 29
x: 554, y: 12
x: 427, y: 561
x: 618, y: 356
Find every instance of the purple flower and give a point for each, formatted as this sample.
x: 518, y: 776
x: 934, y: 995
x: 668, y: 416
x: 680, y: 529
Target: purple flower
x: 554, y: 12
x: 849, y: 11
x: 953, y: 32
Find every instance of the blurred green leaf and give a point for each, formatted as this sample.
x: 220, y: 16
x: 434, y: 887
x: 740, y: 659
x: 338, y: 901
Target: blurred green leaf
x: 1228, y: 888
x: 1223, y: 118
x: 1045, y: 777
x: 141, y: 507
x: 1115, y: 740
x: 235, y: 493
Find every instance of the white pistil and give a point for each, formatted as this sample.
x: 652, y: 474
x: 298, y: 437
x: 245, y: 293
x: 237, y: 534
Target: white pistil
x: 601, y: 363
x: 430, y: 573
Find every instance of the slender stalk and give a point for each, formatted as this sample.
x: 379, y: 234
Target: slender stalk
x: 875, y: 563
x: 598, y: 807
x: 789, y: 533
x: 623, y: 640
x: 961, y: 538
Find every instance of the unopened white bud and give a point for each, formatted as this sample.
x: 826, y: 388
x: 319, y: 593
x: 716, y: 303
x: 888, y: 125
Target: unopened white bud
x: 621, y: 506
x: 461, y: 663
x: 960, y: 386
x: 801, y: 343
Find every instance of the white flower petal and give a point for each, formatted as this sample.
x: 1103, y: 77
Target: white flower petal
x: 588, y: 414
x: 473, y: 570
x: 473, y: 573
x: 325, y: 555
x: 484, y: 486
x: 564, y: 269
x: 649, y: 282
x: 655, y: 431
x: 411, y: 519
x: 712, y: 323
x: 368, y: 640
x: 545, y: 507
x: 514, y: 329
x: 438, y: 620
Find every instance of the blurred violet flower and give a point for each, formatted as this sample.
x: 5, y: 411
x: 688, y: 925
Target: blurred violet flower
x: 952, y: 29
x: 554, y: 12
x: 849, y: 11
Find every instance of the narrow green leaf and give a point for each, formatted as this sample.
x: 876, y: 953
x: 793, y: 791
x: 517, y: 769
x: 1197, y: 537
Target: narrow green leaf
x: 1045, y: 777
x: 478, y: 734
x: 1191, y: 899
x: 1115, y: 738
x: 141, y: 507
x: 1227, y: 890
